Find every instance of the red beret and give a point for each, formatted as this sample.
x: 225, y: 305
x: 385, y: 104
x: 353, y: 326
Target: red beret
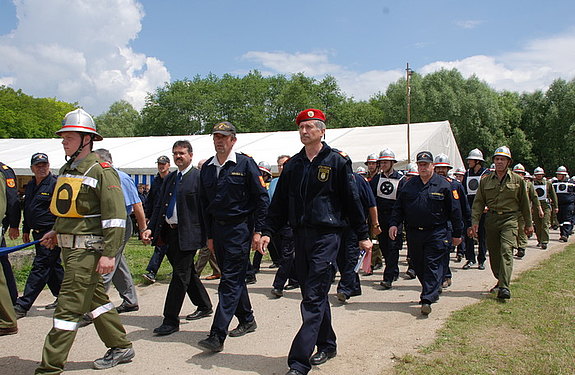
x: 310, y: 114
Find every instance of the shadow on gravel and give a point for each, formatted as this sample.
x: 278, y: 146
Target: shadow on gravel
x: 241, y: 362
x: 27, y: 366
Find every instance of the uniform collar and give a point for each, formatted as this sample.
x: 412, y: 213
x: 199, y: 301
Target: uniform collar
x: 85, y: 163
x: 231, y: 157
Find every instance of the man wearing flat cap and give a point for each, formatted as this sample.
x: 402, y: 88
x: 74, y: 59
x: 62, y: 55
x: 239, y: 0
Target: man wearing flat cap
x: 426, y: 204
x: 163, y: 163
x: 38, y: 220
x: 318, y: 197
x: 234, y: 203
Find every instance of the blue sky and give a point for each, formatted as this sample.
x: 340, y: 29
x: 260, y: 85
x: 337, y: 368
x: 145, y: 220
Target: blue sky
x: 96, y: 52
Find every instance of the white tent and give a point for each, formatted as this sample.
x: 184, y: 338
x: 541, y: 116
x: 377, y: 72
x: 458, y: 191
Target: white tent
x: 137, y: 155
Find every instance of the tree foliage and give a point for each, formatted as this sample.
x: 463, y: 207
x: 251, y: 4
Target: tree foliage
x: 121, y: 120
x: 539, y: 127
x: 23, y: 116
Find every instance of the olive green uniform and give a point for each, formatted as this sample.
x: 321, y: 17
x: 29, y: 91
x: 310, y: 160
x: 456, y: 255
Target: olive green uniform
x: 101, y: 201
x: 7, y: 314
x: 521, y: 236
x: 549, y: 205
x: 506, y: 200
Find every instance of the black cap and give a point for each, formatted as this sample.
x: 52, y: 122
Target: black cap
x: 39, y: 157
x: 225, y: 128
x: 424, y: 157
x: 163, y: 160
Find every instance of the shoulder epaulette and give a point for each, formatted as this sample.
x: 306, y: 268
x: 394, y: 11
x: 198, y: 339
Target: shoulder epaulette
x: 243, y: 153
x: 343, y: 154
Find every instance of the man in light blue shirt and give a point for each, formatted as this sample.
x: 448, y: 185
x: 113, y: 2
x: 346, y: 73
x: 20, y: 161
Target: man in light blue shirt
x: 121, y: 276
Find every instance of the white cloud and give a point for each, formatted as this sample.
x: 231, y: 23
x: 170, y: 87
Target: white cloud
x: 468, y: 24
x: 79, y: 51
x: 316, y: 64
x: 534, y: 67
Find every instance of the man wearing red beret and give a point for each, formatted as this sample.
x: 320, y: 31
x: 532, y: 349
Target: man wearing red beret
x: 317, y: 195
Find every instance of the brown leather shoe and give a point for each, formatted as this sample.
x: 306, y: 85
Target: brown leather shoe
x: 213, y: 277
x: 8, y: 331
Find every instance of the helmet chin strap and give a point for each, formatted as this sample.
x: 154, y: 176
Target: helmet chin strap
x: 80, y: 148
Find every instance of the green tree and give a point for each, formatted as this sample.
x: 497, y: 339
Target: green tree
x: 121, y: 120
x: 23, y: 116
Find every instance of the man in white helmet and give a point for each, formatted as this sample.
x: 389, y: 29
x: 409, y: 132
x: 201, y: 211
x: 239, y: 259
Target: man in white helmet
x: 386, y: 186
x: 536, y: 211
x: 372, y: 165
x: 566, y: 202
x: 504, y: 193
x: 548, y: 200
x: 470, y: 185
x: 90, y: 224
x: 441, y: 166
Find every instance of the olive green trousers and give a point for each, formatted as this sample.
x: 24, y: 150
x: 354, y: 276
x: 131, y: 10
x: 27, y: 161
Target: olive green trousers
x: 501, y: 238
x: 82, y: 292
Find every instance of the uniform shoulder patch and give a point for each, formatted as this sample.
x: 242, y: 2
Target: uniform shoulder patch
x: 455, y: 194
x: 104, y: 164
x: 5, y: 167
x: 262, y: 181
x: 10, y: 182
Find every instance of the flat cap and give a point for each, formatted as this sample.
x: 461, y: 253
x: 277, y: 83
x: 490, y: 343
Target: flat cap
x: 225, y: 128
x: 39, y: 157
x: 424, y: 157
x: 163, y: 160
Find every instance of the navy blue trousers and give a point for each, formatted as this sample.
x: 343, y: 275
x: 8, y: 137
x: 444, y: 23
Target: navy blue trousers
x: 390, y: 249
x: 470, y: 244
x: 46, y: 269
x: 232, y: 243
x: 346, y: 261
x: 315, y: 257
x: 157, y: 258
x: 428, y: 249
x: 565, y: 218
x: 284, y: 243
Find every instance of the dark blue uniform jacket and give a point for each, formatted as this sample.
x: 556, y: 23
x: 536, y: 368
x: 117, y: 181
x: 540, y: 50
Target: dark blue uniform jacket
x: 238, y: 193
x: 37, y: 199
x: 428, y: 206
x: 321, y: 194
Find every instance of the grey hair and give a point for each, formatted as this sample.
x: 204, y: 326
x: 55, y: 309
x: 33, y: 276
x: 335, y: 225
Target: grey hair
x: 319, y: 124
x: 104, y: 155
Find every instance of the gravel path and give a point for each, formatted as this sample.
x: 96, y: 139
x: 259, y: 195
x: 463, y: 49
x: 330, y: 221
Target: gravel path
x: 372, y: 329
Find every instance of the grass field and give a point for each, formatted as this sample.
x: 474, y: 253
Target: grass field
x: 137, y: 255
x: 533, y: 333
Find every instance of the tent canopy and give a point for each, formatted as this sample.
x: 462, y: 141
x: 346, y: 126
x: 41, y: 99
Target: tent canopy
x: 138, y: 155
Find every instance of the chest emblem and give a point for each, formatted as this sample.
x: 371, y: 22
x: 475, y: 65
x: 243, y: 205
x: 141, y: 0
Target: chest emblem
x: 323, y: 173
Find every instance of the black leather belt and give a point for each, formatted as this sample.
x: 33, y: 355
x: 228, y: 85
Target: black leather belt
x: 173, y: 226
